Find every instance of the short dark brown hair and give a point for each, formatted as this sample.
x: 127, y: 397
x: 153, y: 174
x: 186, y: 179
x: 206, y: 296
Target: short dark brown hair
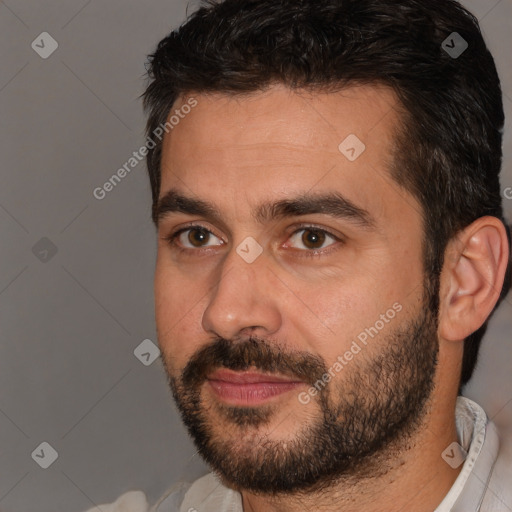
x: 448, y: 152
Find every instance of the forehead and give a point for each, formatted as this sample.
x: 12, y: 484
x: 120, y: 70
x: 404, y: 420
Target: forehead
x: 280, y: 143
x: 289, y: 120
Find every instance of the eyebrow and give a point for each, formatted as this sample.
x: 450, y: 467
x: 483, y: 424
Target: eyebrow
x: 333, y: 204
x: 174, y: 202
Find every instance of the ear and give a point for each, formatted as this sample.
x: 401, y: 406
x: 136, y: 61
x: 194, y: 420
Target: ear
x: 472, y: 277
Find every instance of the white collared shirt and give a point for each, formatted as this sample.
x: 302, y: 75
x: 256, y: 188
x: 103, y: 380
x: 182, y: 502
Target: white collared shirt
x: 481, y: 485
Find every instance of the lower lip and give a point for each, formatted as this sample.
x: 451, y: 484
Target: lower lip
x: 250, y: 394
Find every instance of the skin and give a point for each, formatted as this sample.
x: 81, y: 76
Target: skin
x: 240, y: 152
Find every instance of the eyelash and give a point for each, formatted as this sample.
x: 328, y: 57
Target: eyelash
x: 315, y: 253
x: 171, y: 239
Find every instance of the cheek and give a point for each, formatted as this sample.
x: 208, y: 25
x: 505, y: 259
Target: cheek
x: 334, y: 314
x: 178, y: 317
x: 323, y: 317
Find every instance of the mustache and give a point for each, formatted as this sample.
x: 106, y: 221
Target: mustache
x: 255, y: 353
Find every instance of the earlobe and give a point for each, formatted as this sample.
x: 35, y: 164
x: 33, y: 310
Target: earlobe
x: 472, y: 277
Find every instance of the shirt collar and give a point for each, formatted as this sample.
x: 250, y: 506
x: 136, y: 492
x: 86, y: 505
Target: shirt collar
x: 476, y: 435
x: 479, y: 438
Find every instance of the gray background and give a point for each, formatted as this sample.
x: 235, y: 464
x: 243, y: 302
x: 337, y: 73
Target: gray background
x: 69, y: 324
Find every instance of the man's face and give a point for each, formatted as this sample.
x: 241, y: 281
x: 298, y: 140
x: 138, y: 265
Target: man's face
x: 289, y: 285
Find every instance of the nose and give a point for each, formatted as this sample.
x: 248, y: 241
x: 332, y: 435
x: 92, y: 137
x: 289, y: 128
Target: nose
x: 244, y: 300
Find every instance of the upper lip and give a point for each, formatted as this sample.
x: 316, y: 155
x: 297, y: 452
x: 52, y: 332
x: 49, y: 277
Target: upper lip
x: 248, y: 377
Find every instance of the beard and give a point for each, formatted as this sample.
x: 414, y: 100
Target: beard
x: 364, y: 416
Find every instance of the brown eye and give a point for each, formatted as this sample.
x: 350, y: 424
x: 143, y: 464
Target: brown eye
x: 198, y: 237
x: 195, y: 237
x: 313, y: 238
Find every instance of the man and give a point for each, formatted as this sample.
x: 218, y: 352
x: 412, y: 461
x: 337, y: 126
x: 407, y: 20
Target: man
x: 331, y: 245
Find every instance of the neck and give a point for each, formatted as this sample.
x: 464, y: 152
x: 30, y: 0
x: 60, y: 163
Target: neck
x: 409, y: 475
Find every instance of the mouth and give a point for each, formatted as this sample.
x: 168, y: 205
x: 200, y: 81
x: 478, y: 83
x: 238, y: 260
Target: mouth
x: 249, y: 388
